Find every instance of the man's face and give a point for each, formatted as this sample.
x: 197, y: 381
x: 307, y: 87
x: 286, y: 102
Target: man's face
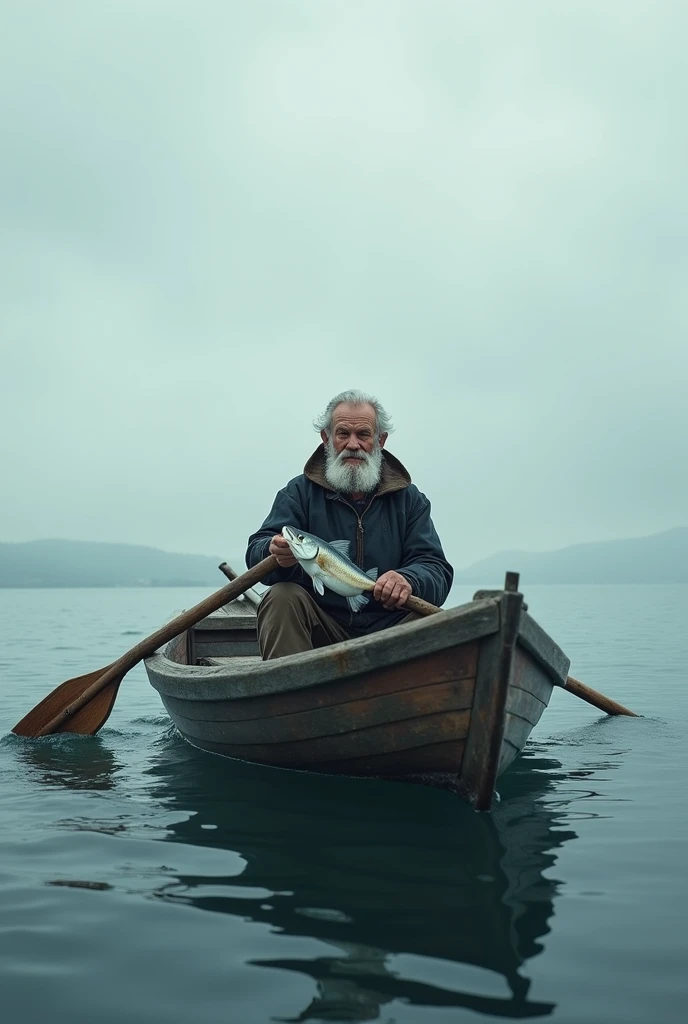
x: 353, y: 430
x: 353, y: 450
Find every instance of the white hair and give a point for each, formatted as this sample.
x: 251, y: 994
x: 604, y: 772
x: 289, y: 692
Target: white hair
x: 383, y: 421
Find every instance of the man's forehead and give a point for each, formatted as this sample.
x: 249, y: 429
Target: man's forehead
x: 353, y: 415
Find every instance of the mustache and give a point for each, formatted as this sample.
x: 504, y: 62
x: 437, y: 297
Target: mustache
x: 362, y: 456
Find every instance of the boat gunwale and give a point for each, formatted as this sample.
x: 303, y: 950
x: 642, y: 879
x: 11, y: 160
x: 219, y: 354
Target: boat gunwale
x: 531, y: 635
x: 251, y: 677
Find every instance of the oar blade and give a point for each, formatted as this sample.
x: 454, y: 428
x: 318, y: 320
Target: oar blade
x: 86, y: 721
x: 82, y: 705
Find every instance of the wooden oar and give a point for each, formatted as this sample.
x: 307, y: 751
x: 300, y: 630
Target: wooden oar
x: 598, y: 700
x: 83, y: 705
x: 574, y: 686
x: 414, y: 604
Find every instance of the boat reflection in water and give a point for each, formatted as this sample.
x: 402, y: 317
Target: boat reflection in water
x: 382, y: 873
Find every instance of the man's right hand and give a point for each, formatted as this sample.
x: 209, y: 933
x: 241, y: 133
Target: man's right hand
x: 282, y: 552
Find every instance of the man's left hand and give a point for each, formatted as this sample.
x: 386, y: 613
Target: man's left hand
x: 392, y: 590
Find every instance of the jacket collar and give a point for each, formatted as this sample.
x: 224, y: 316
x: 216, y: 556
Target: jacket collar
x: 394, y: 476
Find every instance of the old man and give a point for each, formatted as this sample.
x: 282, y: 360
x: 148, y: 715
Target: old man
x: 351, y: 489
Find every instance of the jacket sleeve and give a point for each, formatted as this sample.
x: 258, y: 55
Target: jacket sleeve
x: 424, y: 564
x: 287, y: 510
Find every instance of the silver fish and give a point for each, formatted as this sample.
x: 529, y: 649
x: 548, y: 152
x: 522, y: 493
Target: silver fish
x: 329, y: 565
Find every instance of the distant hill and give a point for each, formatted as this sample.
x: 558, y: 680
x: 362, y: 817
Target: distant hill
x: 70, y: 563
x: 660, y: 558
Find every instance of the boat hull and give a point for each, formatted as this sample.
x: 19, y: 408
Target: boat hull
x: 447, y: 701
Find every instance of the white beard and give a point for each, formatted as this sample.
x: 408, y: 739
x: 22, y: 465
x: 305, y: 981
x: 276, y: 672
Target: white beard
x: 351, y: 476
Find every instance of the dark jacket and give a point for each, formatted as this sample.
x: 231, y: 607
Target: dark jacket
x: 392, y: 531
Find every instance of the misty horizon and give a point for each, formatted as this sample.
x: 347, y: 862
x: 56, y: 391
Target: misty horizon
x: 239, y: 554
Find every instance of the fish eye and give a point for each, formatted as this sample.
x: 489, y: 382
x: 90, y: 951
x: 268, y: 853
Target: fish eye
x: 300, y: 537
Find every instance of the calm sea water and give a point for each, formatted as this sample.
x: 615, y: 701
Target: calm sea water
x: 225, y: 892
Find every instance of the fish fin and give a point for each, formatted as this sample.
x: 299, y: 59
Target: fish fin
x: 357, y: 602
x: 318, y: 585
x: 342, y: 546
x: 372, y: 573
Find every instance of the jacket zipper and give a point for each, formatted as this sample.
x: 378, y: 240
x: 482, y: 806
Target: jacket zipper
x: 359, y: 529
x: 359, y: 537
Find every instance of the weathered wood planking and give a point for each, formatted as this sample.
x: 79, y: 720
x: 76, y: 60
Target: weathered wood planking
x: 231, y: 632
x: 224, y: 645
x: 335, y: 720
x: 407, y: 693
x: 530, y: 688
x: 453, y: 665
x: 389, y: 737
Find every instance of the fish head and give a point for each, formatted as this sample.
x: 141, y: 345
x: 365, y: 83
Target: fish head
x: 303, y: 545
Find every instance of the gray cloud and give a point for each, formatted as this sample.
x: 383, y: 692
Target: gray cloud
x: 217, y: 215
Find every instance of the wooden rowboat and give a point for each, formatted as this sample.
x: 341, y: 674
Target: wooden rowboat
x: 448, y: 700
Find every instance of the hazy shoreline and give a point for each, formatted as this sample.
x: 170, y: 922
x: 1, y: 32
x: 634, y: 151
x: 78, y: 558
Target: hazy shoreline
x: 661, y: 558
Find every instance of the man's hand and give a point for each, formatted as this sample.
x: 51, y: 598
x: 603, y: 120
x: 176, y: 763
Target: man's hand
x: 392, y: 590
x: 282, y: 552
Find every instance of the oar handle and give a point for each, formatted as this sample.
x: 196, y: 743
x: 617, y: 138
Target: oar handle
x: 421, y: 607
x: 162, y: 636
x: 598, y: 700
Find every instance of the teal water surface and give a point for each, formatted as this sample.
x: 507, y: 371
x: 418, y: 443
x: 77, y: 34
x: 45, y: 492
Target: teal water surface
x: 141, y: 880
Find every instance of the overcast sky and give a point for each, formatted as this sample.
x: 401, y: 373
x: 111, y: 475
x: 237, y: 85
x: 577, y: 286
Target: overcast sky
x: 216, y: 215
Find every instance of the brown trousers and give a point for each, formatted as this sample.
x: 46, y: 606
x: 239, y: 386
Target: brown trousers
x: 290, y: 622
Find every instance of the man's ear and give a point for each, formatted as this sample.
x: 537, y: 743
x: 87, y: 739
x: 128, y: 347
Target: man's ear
x: 323, y: 435
x: 383, y: 438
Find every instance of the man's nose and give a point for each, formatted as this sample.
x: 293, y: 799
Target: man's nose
x: 353, y: 444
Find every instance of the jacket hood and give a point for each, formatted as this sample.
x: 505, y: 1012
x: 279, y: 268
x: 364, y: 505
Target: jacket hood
x: 394, y: 476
